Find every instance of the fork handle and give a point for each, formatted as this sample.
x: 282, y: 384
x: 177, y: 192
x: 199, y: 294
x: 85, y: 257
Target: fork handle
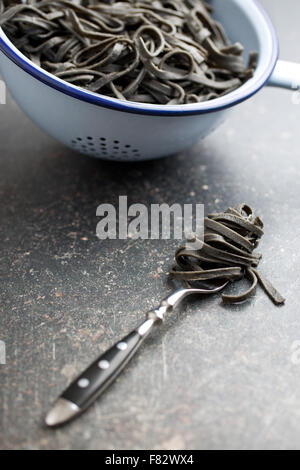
x: 99, y: 375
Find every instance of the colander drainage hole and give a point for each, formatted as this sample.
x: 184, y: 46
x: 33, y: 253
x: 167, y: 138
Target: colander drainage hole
x: 100, y: 146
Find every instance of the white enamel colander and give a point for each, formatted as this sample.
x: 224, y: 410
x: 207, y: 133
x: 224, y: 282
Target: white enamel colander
x: 114, y: 129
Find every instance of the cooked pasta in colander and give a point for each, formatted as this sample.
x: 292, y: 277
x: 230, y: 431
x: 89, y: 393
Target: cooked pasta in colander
x: 161, y: 51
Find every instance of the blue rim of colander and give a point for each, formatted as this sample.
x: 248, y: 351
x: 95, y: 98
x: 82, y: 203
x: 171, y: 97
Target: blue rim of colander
x: 217, y: 104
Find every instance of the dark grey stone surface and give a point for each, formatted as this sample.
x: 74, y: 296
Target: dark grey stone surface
x: 214, y: 376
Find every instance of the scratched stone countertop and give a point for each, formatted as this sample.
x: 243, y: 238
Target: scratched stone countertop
x: 214, y: 376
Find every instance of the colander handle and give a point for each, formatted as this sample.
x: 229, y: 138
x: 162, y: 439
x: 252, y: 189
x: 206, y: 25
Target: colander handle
x: 286, y: 75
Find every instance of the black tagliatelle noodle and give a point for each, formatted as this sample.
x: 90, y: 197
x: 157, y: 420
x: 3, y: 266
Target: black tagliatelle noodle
x: 227, y: 253
x: 152, y: 51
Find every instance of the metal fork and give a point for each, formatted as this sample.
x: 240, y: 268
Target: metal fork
x: 96, y: 378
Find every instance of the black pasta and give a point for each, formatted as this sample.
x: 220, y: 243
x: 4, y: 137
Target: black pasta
x: 227, y: 253
x: 153, y: 51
